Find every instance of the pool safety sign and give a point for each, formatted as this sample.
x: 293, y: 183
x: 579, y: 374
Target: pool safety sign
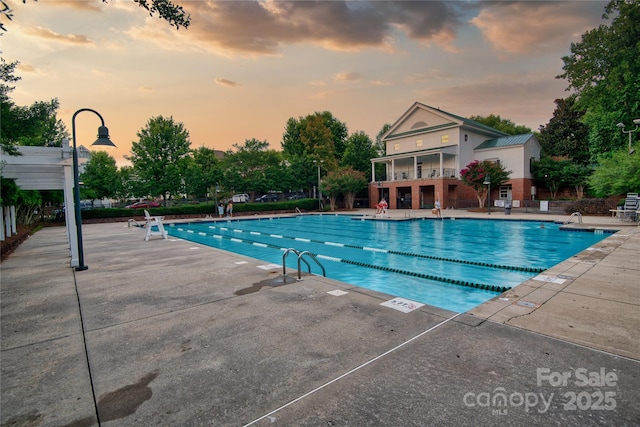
x: 402, y: 304
x: 553, y: 279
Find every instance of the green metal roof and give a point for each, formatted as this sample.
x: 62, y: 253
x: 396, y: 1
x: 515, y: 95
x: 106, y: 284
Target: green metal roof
x: 505, y: 141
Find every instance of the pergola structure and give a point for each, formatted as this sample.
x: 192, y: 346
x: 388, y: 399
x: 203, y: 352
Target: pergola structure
x: 42, y: 168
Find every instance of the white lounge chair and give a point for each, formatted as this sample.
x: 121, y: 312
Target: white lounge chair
x: 631, y: 207
x: 154, y: 221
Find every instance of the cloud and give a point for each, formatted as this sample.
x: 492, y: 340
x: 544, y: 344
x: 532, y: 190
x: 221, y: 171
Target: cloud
x: 91, y: 6
x: 265, y: 27
x: 380, y: 83
x: 326, y: 94
x: 533, y: 28
x: 225, y: 82
x: 45, y: 33
x: 524, y: 99
x: 26, y: 68
x: 346, y: 77
x: 429, y: 75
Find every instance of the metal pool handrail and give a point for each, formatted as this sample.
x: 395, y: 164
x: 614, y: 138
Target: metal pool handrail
x: 300, y: 258
x: 313, y: 257
x: 573, y: 215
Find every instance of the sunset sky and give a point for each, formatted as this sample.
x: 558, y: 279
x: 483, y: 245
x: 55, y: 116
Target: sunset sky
x: 243, y: 68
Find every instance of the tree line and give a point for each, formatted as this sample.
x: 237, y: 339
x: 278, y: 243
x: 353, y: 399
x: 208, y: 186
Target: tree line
x: 582, y: 146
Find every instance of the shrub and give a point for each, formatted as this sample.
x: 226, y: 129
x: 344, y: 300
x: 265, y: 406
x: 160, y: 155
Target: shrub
x: 591, y: 206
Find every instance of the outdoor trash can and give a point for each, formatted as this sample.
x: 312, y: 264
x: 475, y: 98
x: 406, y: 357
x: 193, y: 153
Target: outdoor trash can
x: 507, y: 209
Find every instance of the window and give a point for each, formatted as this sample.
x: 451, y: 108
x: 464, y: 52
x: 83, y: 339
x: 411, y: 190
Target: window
x: 418, y: 143
x: 505, y: 192
x: 396, y: 146
x: 444, y: 139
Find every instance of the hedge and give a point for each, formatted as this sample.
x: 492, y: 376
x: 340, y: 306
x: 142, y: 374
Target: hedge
x: 590, y: 206
x: 202, y: 209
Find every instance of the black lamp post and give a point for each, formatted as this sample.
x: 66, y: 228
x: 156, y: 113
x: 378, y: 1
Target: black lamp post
x: 621, y: 126
x: 319, y: 191
x: 103, y: 140
x: 487, y: 181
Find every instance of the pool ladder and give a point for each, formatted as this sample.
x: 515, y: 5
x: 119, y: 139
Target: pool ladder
x: 301, y: 258
x: 574, y: 215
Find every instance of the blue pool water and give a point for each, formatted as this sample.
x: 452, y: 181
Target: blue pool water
x: 452, y: 264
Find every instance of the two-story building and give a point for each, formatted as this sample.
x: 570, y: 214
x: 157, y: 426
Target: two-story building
x: 425, y: 150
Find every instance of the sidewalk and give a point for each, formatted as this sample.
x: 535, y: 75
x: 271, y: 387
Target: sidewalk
x: 172, y: 333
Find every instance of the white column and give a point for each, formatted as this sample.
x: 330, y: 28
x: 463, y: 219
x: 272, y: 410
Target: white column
x: 415, y: 167
x: 70, y: 215
x: 393, y: 170
x: 1, y: 224
x: 441, y: 162
x: 7, y: 221
x: 12, y: 214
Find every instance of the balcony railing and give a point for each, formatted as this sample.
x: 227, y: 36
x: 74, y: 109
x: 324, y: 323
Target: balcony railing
x: 426, y: 174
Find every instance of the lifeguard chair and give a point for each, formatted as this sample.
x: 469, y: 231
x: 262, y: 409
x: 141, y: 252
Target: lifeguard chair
x: 381, y: 210
x: 151, y: 222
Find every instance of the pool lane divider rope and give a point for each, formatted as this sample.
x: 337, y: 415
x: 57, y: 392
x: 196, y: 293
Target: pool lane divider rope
x: 394, y: 252
x: 482, y: 286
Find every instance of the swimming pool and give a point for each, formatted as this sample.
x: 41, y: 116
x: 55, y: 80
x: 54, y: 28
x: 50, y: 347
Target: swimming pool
x: 452, y: 264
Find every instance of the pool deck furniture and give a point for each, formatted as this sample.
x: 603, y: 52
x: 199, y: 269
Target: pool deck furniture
x: 150, y: 223
x: 168, y: 332
x: 625, y: 214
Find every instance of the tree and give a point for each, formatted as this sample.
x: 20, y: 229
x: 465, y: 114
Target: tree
x: 9, y: 192
x: 203, y: 172
x: 170, y: 12
x: 100, y: 176
x: 36, y: 125
x: 475, y: 174
x: 578, y: 176
x: 618, y: 173
x: 554, y: 173
x: 330, y: 187
x: 319, y: 136
x: 358, y: 152
x: 301, y: 173
x: 253, y: 168
x: 7, y: 77
x: 565, y: 134
x: 316, y: 138
x: 380, y: 145
x: 27, y: 202
x: 346, y: 181
x: 381, y: 148
x: 503, y: 125
x: 159, y: 157
x: 604, y: 71
x: 127, y: 185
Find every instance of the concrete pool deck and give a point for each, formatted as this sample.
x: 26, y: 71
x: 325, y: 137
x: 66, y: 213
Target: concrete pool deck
x: 172, y: 333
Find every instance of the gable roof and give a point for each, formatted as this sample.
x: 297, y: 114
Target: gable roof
x: 505, y: 141
x: 473, y: 123
x: 455, y: 121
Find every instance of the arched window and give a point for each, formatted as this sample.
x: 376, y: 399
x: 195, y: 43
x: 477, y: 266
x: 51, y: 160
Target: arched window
x: 418, y: 125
